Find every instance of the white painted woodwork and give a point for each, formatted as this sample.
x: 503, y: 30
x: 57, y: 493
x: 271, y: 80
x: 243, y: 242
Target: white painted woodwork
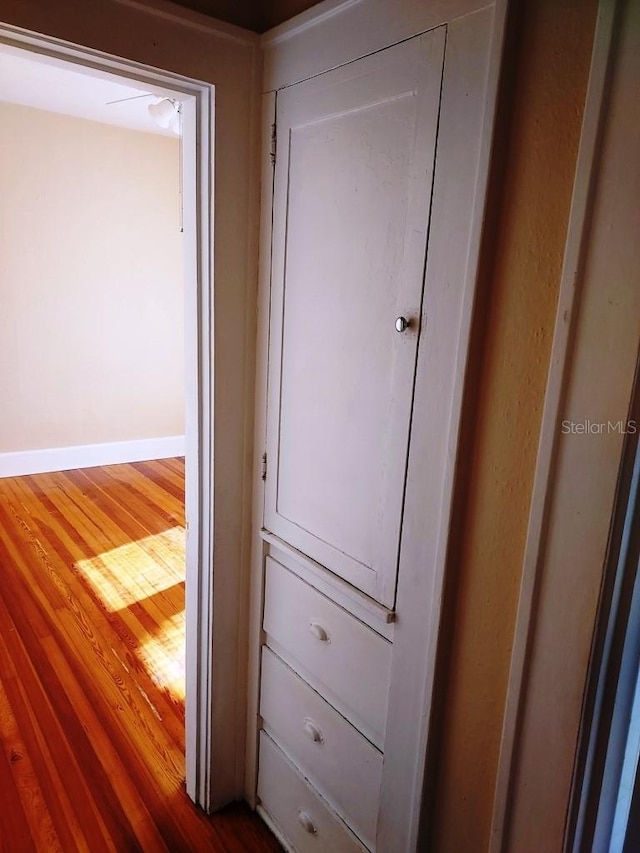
x: 302, y: 819
x: 338, y: 761
x: 199, y: 487
x: 353, y: 663
x: 335, y: 32
x: 352, y: 196
x: 23, y: 462
x: 365, y: 609
x: 331, y: 35
x: 258, y: 548
x: 464, y: 146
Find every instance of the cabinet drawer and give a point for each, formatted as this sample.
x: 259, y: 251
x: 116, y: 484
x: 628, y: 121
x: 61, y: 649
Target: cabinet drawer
x: 298, y: 812
x: 335, y: 757
x: 350, y: 663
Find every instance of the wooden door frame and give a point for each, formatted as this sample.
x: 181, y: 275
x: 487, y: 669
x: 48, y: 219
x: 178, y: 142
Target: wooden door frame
x: 197, y: 171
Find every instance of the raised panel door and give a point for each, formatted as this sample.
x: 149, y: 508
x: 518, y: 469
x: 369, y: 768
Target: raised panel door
x: 352, y: 195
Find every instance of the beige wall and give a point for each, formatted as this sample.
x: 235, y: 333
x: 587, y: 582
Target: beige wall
x: 549, y: 75
x: 91, y: 283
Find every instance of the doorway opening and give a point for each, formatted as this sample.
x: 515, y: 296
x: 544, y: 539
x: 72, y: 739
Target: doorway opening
x: 139, y: 505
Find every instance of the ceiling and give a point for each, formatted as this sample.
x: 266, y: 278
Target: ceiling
x: 57, y: 87
x: 257, y: 15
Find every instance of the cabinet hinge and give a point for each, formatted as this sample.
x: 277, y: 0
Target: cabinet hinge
x: 274, y: 143
x: 264, y: 466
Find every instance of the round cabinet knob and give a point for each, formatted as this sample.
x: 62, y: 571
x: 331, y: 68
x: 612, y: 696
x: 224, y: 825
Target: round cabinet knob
x: 402, y: 324
x: 318, y: 632
x: 305, y: 820
x: 312, y: 731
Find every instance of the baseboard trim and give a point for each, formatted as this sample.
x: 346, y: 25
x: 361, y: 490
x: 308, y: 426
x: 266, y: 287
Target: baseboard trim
x: 22, y: 462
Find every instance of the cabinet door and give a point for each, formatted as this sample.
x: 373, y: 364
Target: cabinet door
x: 352, y: 194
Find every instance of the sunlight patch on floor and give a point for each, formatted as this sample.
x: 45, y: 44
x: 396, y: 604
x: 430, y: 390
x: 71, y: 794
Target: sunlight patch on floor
x: 131, y: 572
x: 164, y: 656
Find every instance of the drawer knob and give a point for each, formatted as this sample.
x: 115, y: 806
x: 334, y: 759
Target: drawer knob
x: 318, y: 632
x: 312, y: 730
x: 306, y: 822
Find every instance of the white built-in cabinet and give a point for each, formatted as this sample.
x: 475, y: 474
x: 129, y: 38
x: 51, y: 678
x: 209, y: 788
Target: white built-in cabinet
x: 372, y: 207
x: 352, y: 195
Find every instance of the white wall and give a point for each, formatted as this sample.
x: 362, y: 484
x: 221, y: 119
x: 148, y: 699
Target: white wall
x: 91, y: 283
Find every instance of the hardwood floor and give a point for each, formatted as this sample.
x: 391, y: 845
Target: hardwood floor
x: 92, y: 668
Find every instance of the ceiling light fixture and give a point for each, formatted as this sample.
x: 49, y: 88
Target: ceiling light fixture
x: 166, y: 114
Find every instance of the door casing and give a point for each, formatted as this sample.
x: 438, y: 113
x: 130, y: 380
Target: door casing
x: 197, y: 172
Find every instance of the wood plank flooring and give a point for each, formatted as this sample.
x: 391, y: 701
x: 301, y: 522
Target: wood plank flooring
x: 92, y: 668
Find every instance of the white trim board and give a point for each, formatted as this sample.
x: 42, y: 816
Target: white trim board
x: 22, y: 462
x: 335, y: 32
